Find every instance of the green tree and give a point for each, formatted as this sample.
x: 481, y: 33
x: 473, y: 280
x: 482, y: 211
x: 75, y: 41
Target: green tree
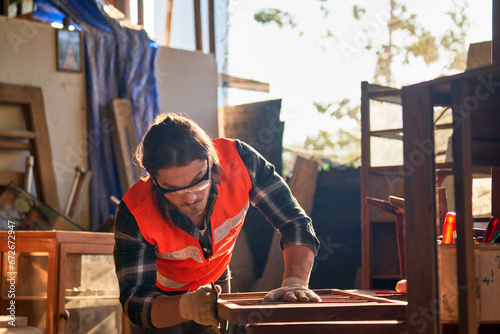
x: 405, y: 39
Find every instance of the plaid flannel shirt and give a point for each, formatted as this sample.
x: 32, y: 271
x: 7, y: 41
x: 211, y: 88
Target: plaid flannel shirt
x: 135, y: 258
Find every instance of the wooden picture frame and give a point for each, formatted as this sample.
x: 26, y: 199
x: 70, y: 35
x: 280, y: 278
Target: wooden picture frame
x: 69, y: 50
x: 27, y: 212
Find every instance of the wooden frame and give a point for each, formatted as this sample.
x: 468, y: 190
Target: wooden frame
x: 69, y: 48
x: 338, y: 308
x: 30, y: 99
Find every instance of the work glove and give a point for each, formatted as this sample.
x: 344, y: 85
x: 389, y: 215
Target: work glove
x: 200, y: 305
x: 293, y: 289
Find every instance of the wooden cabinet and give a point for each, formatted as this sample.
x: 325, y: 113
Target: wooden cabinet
x: 64, y: 282
x: 474, y: 97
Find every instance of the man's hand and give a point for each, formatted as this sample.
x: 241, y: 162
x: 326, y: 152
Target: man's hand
x: 200, y: 306
x: 293, y: 289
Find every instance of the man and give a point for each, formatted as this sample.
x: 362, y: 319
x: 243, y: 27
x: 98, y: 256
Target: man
x: 176, y: 227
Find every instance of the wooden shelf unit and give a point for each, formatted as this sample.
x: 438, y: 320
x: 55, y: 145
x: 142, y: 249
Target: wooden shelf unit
x: 474, y: 97
x: 380, y: 263
x: 47, y: 265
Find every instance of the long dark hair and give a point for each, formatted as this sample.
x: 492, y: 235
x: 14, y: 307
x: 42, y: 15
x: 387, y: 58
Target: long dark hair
x: 174, y: 141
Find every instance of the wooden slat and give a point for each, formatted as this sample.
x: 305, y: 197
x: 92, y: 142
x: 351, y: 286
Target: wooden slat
x: 7, y: 176
x: 420, y: 210
x: 17, y: 134
x: 197, y: 25
x: 462, y: 157
x: 13, y: 145
x: 229, y: 81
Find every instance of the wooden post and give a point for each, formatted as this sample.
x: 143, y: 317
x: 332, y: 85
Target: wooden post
x: 211, y: 25
x: 462, y: 161
x: 197, y: 25
x: 140, y: 12
x: 168, y: 22
x: 365, y: 182
x: 420, y: 211
x: 495, y: 172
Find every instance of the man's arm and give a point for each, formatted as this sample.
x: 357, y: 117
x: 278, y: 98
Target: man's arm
x: 298, y: 262
x: 272, y: 196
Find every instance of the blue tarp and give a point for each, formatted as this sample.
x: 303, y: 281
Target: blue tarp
x: 120, y: 63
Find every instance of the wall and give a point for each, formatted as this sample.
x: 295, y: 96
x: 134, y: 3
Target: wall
x: 187, y: 82
x: 28, y: 57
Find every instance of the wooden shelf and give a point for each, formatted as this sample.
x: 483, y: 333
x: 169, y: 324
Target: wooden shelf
x: 476, y: 143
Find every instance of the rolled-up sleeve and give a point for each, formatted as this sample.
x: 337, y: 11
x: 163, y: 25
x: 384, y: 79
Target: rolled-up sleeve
x: 272, y: 196
x: 135, y: 265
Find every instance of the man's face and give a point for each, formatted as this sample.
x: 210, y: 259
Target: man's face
x: 186, y: 187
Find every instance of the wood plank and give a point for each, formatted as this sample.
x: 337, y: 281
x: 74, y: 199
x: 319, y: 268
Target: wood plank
x: 197, y: 26
x: 7, y: 176
x: 462, y: 157
x: 229, y: 81
x: 420, y: 210
x: 479, y: 55
x: 124, y: 143
x: 15, y: 146
x: 17, y: 134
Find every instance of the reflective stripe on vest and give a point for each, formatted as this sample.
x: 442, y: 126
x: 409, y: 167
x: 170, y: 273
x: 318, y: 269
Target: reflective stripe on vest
x: 183, y: 254
x: 168, y: 283
x: 222, y: 231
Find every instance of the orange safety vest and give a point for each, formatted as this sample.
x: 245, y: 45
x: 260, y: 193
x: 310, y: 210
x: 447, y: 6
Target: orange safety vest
x: 180, y: 263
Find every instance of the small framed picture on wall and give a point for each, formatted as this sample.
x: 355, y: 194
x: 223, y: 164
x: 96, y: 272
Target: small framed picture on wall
x: 69, y: 50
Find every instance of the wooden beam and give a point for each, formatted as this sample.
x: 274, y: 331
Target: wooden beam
x: 140, y: 12
x: 462, y: 160
x: 211, y: 25
x: 229, y: 81
x: 496, y: 32
x: 365, y: 186
x: 197, y: 25
x: 421, y: 248
x: 168, y: 22
x: 495, y: 172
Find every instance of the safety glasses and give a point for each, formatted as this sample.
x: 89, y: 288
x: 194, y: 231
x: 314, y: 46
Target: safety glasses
x: 199, y: 185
